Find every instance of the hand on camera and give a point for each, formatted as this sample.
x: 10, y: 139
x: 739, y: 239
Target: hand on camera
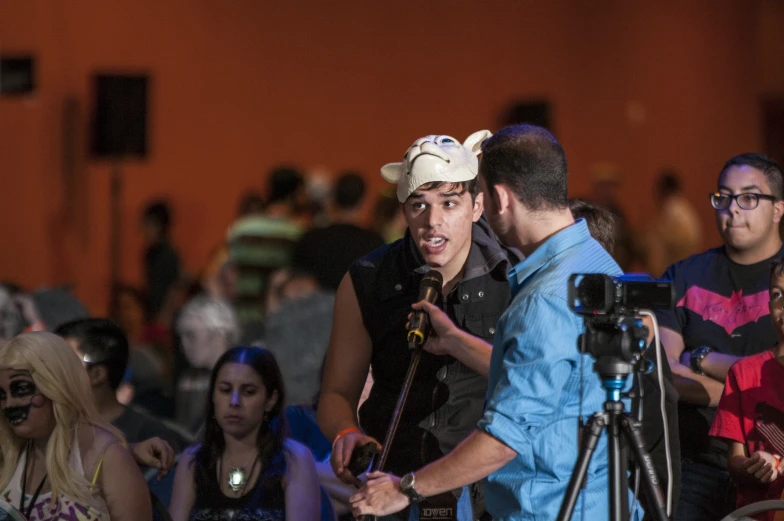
x: 342, y: 450
x: 763, y: 466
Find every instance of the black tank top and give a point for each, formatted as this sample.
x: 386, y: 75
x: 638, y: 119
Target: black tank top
x: 256, y: 505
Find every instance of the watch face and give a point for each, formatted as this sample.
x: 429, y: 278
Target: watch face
x: 407, y: 481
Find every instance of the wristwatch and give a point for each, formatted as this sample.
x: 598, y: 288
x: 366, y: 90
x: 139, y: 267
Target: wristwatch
x: 697, y: 356
x: 407, y: 488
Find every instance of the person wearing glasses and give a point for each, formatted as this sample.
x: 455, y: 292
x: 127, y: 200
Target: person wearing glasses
x: 720, y: 317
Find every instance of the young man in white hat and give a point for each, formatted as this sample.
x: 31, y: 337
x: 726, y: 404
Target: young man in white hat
x: 438, y: 193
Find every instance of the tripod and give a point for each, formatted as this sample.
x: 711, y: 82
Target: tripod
x: 614, y: 373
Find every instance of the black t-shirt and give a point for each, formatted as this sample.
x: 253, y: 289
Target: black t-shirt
x: 722, y: 305
x: 137, y: 426
x: 328, y: 252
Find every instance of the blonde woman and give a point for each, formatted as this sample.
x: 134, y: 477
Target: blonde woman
x: 58, y: 458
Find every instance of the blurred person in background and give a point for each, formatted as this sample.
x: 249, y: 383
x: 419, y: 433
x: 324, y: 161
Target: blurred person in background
x: 676, y: 232
x: 606, y: 188
x: 148, y: 382
x: 298, y: 325
x: 245, y: 467
x: 162, y: 268
x: 59, y: 455
x: 207, y: 328
x: 259, y: 244
x: 103, y: 349
x: 328, y: 251
x: 388, y: 219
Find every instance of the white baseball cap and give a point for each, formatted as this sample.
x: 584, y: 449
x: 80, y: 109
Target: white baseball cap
x: 435, y: 158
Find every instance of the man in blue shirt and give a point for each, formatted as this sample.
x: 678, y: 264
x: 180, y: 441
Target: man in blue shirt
x: 526, y: 443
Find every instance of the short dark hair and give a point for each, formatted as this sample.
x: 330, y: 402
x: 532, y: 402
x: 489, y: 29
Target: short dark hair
x: 531, y: 162
x: 158, y: 213
x: 776, y: 268
x: 103, y: 342
x: 349, y: 191
x: 460, y: 187
x: 764, y: 164
x: 283, y: 184
x: 601, y: 221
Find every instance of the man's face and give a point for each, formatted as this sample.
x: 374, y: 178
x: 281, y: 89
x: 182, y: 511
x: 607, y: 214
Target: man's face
x: 777, y: 304
x: 201, y: 345
x: 744, y: 230
x: 440, y: 223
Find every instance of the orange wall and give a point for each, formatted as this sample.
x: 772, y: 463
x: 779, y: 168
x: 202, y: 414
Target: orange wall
x: 240, y: 86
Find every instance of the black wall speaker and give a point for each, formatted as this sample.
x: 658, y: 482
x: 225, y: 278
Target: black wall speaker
x: 17, y: 75
x: 120, y: 116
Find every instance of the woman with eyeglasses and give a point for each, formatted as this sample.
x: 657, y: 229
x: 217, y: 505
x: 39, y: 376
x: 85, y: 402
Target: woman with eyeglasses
x: 58, y: 458
x: 245, y: 467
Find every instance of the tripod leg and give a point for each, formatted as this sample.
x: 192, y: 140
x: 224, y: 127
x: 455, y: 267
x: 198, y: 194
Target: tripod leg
x: 591, y: 433
x: 631, y: 430
x: 619, y: 489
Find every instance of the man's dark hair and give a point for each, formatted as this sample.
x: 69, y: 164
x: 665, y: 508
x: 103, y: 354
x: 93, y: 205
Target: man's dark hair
x: 349, y: 191
x: 251, y: 203
x: 284, y: 183
x: 531, y: 162
x: 764, y: 164
x: 158, y: 213
x: 470, y: 186
x: 776, y: 268
x: 103, y: 342
x: 601, y: 221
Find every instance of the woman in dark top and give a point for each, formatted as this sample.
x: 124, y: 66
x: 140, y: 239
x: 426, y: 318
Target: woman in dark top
x: 246, y: 468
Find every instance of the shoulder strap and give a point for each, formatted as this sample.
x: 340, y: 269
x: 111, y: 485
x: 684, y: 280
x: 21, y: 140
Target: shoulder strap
x: 98, y: 469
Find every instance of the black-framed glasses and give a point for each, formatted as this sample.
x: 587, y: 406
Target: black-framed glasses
x: 746, y: 200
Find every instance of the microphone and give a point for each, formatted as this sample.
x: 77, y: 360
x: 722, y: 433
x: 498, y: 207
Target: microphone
x: 419, y: 325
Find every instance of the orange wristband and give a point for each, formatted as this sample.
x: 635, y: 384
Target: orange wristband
x: 344, y: 432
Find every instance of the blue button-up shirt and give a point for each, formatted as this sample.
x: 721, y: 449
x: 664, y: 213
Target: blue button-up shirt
x: 534, y: 386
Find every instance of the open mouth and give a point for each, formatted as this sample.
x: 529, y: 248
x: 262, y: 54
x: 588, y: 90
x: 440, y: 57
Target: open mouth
x: 435, y: 242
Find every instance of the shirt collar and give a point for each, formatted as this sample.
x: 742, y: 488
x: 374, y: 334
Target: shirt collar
x: 559, y: 242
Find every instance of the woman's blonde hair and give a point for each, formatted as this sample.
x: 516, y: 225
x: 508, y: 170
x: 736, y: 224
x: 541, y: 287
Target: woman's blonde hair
x: 59, y: 375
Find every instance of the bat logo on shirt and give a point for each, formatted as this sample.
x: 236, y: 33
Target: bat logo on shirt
x: 728, y: 312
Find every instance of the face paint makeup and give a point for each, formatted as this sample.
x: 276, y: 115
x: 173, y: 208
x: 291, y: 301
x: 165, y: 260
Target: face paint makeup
x: 21, y: 387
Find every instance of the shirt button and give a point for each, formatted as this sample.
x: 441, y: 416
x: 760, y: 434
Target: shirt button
x: 398, y: 287
x: 441, y: 374
x: 492, y: 330
x: 481, y: 294
x: 465, y: 296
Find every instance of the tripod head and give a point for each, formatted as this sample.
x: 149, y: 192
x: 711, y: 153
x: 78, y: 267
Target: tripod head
x: 617, y: 342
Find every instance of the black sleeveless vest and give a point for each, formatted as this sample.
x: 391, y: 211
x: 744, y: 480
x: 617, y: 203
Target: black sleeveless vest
x: 447, y: 398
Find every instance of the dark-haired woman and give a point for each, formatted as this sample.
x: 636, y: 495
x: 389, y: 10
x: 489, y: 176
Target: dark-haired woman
x: 245, y: 468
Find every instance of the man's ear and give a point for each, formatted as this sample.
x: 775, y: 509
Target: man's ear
x: 502, y: 197
x: 778, y: 211
x: 479, y: 206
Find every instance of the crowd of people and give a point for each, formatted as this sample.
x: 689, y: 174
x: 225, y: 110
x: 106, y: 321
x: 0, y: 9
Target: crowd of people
x: 249, y: 391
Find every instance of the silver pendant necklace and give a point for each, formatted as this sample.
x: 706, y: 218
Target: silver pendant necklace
x: 237, y: 478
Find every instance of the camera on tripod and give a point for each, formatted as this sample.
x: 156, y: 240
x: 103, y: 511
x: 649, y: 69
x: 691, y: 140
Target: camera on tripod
x: 610, y: 305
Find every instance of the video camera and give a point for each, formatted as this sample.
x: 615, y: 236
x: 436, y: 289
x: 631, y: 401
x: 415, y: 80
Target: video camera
x: 610, y: 305
x: 593, y: 294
